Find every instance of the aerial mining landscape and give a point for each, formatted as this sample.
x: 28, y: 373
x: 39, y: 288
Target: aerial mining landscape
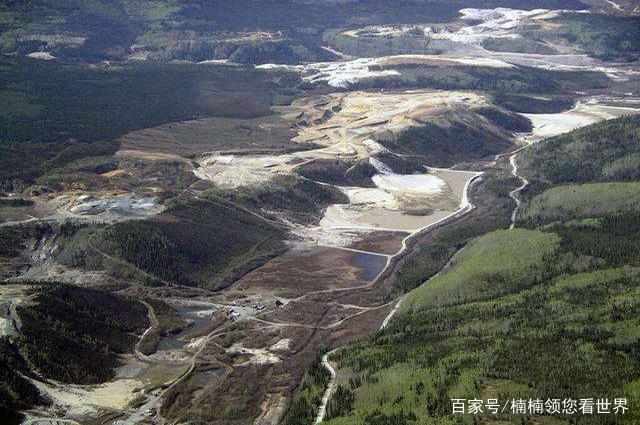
x: 348, y: 212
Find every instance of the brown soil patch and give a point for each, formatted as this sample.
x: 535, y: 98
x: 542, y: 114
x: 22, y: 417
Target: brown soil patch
x: 299, y: 272
x: 381, y: 242
x: 311, y: 313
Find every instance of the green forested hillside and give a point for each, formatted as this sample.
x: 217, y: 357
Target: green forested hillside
x: 206, y: 243
x: 300, y: 199
x: 53, y: 114
x: 582, y: 201
x: 521, y: 80
x: 16, y: 392
x: 85, y: 330
x: 309, y: 395
x: 444, y: 141
x: 68, y: 334
x: 95, y: 30
x: 501, y: 261
x: 42, y: 101
x: 546, y: 312
x: 608, y: 151
x: 603, y: 36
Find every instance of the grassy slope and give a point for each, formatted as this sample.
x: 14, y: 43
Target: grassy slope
x: 548, y: 312
x: 582, y: 201
x: 493, y: 211
x: 502, y: 261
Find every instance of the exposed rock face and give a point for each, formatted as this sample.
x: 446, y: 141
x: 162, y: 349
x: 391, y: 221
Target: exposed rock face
x: 617, y: 7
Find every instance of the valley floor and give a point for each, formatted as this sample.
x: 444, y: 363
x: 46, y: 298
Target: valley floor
x: 247, y: 253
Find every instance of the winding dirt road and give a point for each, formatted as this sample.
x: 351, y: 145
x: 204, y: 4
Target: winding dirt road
x: 514, y: 193
x: 465, y: 207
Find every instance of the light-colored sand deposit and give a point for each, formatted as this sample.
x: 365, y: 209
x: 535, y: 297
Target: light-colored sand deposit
x: 413, y: 184
x: 460, y: 43
x: 84, y: 400
x: 106, y: 207
x: 256, y: 355
x: 583, y: 114
x: 349, y: 133
x: 346, y: 126
x: 400, y: 202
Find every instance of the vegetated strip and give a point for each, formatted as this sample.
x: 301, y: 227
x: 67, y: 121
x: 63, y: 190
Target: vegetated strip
x: 465, y: 207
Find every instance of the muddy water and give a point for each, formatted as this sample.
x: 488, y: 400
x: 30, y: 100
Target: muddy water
x: 370, y: 264
x: 200, y: 318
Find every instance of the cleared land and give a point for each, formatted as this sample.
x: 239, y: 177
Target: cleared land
x: 191, y: 138
x: 348, y: 127
x: 298, y: 273
x: 583, y: 114
x: 218, y: 177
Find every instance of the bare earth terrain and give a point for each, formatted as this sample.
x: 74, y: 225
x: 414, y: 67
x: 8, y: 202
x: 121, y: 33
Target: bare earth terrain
x: 242, y: 349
